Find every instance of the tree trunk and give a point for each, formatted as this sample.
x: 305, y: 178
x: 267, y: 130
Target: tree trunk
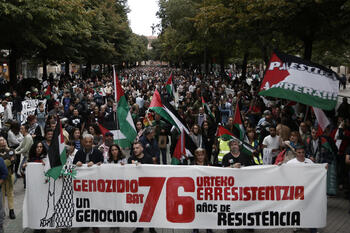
x: 265, y: 55
x: 307, y: 49
x: 13, y: 66
x: 66, y: 67
x: 222, y: 64
x: 88, y: 70
x: 44, y: 60
x: 244, y: 65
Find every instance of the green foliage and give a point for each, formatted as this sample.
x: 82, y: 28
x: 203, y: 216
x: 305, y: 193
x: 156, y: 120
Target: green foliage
x: 226, y: 30
x: 85, y: 31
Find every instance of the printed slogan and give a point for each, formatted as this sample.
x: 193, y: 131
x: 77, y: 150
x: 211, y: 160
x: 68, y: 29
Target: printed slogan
x: 178, y: 197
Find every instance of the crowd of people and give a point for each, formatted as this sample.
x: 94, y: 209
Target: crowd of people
x: 279, y: 131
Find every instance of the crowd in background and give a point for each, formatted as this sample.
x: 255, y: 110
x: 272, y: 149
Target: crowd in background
x: 278, y: 130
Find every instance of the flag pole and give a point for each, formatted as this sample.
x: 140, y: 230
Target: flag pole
x: 116, y: 105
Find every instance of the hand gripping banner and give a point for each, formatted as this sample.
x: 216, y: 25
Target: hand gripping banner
x: 292, y: 78
x: 287, y: 196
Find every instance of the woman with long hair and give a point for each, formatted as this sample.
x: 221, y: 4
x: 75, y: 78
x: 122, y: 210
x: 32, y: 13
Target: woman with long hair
x: 76, y: 138
x: 200, y: 159
x: 115, y: 155
x: 95, y: 131
x: 196, y: 136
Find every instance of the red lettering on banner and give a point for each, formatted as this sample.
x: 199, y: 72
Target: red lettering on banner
x: 218, y: 193
x: 234, y: 194
x: 254, y: 189
x: 134, y: 198
x: 226, y: 193
x: 200, y: 194
x: 109, y: 186
x: 156, y: 185
x: 120, y: 186
x: 173, y: 200
x: 84, y: 185
x: 76, y: 185
x: 246, y: 194
x: 261, y: 193
x: 208, y: 193
x: 299, y: 192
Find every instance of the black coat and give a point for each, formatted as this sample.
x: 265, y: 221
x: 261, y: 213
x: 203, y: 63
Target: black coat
x: 96, y: 156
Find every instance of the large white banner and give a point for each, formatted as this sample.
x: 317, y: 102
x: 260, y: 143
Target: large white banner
x: 287, y: 196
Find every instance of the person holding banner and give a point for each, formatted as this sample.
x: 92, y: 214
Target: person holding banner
x: 236, y: 158
x: 137, y: 158
x: 115, y: 155
x: 90, y: 156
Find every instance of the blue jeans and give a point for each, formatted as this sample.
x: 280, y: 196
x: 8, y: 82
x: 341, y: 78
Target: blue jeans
x: 2, y: 213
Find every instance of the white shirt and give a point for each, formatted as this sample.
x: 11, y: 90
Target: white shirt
x: 272, y: 142
x: 191, y: 88
x: 295, y: 161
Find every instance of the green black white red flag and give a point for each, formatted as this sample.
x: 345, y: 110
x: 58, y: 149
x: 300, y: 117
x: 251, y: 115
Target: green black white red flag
x: 57, y: 154
x: 207, y: 109
x: 165, y: 110
x: 169, y: 85
x: 237, y: 122
x: 126, y: 124
x: 224, y: 133
x: 292, y: 78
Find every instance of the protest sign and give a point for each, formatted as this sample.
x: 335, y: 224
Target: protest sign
x: 287, y: 196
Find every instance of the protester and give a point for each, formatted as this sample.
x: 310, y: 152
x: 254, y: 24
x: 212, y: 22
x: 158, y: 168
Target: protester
x: 23, y: 149
x: 8, y: 155
x: 115, y: 155
x: 3, y: 177
x: 137, y: 158
x: 236, y: 158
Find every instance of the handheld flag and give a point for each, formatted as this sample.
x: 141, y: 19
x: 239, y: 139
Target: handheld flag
x: 289, y: 77
x: 169, y: 85
x: 322, y: 120
x: 126, y: 124
x: 57, y: 153
x: 180, y: 149
x: 207, y: 109
x: 47, y: 93
x: 227, y: 135
x: 167, y: 111
x: 237, y: 122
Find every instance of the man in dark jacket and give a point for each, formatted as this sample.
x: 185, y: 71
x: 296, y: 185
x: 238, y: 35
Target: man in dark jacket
x: 87, y: 154
x: 150, y: 144
x: 90, y: 156
x: 3, y: 176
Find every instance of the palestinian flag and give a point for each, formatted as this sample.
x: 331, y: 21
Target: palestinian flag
x: 237, y: 122
x: 57, y: 153
x: 167, y: 111
x: 207, y: 109
x: 148, y: 119
x: 289, y: 77
x: 227, y: 135
x: 126, y: 124
x: 118, y: 137
x: 322, y: 120
x: 47, y: 93
x: 184, y: 149
x: 224, y: 133
x: 169, y: 85
x: 180, y: 150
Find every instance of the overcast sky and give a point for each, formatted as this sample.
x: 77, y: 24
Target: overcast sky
x: 142, y: 15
